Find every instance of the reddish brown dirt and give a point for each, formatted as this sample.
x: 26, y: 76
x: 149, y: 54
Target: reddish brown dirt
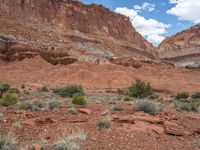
x: 141, y: 135
x: 36, y: 72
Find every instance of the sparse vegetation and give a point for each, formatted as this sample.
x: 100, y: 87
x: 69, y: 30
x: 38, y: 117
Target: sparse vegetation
x: 25, y: 105
x: 186, y: 106
x: 38, y: 103
x: 121, y: 91
x: 197, y: 143
x: 43, y: 89
x: 103, y: 123
x: 68, y: 143
x: 182, y: 95
x: 78, y: 100
x: 117, y: 108
x: 140, y: 89
x: 72, y: 111
x: 6, y: 142
x: 69, y: 91
x: 4, y: 88
x: 16, y: 125
x: 127, y: 98
x: 146, y: 106
x: 8, y: 99
x: 54, y: 105
x: 196, y: 95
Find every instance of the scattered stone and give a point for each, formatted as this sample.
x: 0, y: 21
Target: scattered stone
x: 30, y: 122
x: 85, y: 111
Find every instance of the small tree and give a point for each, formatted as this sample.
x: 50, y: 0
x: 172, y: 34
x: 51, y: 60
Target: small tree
x: 140, y: 89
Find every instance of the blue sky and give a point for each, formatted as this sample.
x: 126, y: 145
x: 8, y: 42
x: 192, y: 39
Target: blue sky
x: 156, y: 19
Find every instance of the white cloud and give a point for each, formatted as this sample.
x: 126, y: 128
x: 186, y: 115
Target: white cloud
x: 188, y: 10
x: 173, y: 1
x: 145, y: 6
x: 151, y: 29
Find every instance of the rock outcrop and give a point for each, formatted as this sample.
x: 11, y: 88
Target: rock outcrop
x: 91, y: 29
x: 183, y: 49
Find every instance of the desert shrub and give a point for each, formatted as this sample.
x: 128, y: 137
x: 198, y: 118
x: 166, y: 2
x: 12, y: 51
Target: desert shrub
x: 196, y: 142
x: 182, y: 95
x: 140, y: 89
x: 122, y: 91
x: 38, y: 103
x: 4, y: 88
x: 68, y: 142
x: 25, y: 105
x: 54, y: 105
x: 153, y: 97
x: 8, y: 99
x: 14, y: 90
x: 186, y: 106
x: 146, y: 106
x: 6, y: 142
x: 78, y: 100
x: 196, y: 95
x: 69, y: 91
x: 72, y: 111
x: 117, y: 108
x: 103, y: 124
x: 127, y: 98
x: 43, y: 89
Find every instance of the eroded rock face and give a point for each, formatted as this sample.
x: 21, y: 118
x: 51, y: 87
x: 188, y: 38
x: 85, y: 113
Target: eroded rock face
x: 74, y: 15
x: 183, y: 48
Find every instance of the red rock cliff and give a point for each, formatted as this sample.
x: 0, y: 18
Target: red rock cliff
x: 74, y: 15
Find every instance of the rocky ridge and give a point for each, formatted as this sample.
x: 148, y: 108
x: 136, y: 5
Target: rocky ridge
x: 183, y: 49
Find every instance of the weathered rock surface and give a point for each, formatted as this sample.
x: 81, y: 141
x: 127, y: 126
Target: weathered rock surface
x: 83, y: 32
x: 173, y: 128
x: 183, y: 49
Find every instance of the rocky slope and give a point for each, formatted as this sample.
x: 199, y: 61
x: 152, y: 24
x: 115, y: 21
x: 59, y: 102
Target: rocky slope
x: 64, y: 31
x: 183, y: 49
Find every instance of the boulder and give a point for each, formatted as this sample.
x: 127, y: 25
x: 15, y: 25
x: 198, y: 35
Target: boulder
x: 173, y: 128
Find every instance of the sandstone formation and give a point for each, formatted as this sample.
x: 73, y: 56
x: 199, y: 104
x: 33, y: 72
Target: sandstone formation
x: 183, y: 49
x: 65, y: 31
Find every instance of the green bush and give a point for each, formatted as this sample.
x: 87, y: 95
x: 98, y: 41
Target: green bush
x: 186, y: 106
x: 146, y: 106
x: 140, y: 89
x: 182, y: 95
x: 8, y: 99
x: 54, y: 105
x: 43, y: 89
x: 196, y: 95
x: 78, y: 100
x: 69, y: 91
x: 4, y: 88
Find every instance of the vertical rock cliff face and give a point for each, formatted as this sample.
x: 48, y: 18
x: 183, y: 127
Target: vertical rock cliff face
x: 74, y: 15
x: 182, y: 48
